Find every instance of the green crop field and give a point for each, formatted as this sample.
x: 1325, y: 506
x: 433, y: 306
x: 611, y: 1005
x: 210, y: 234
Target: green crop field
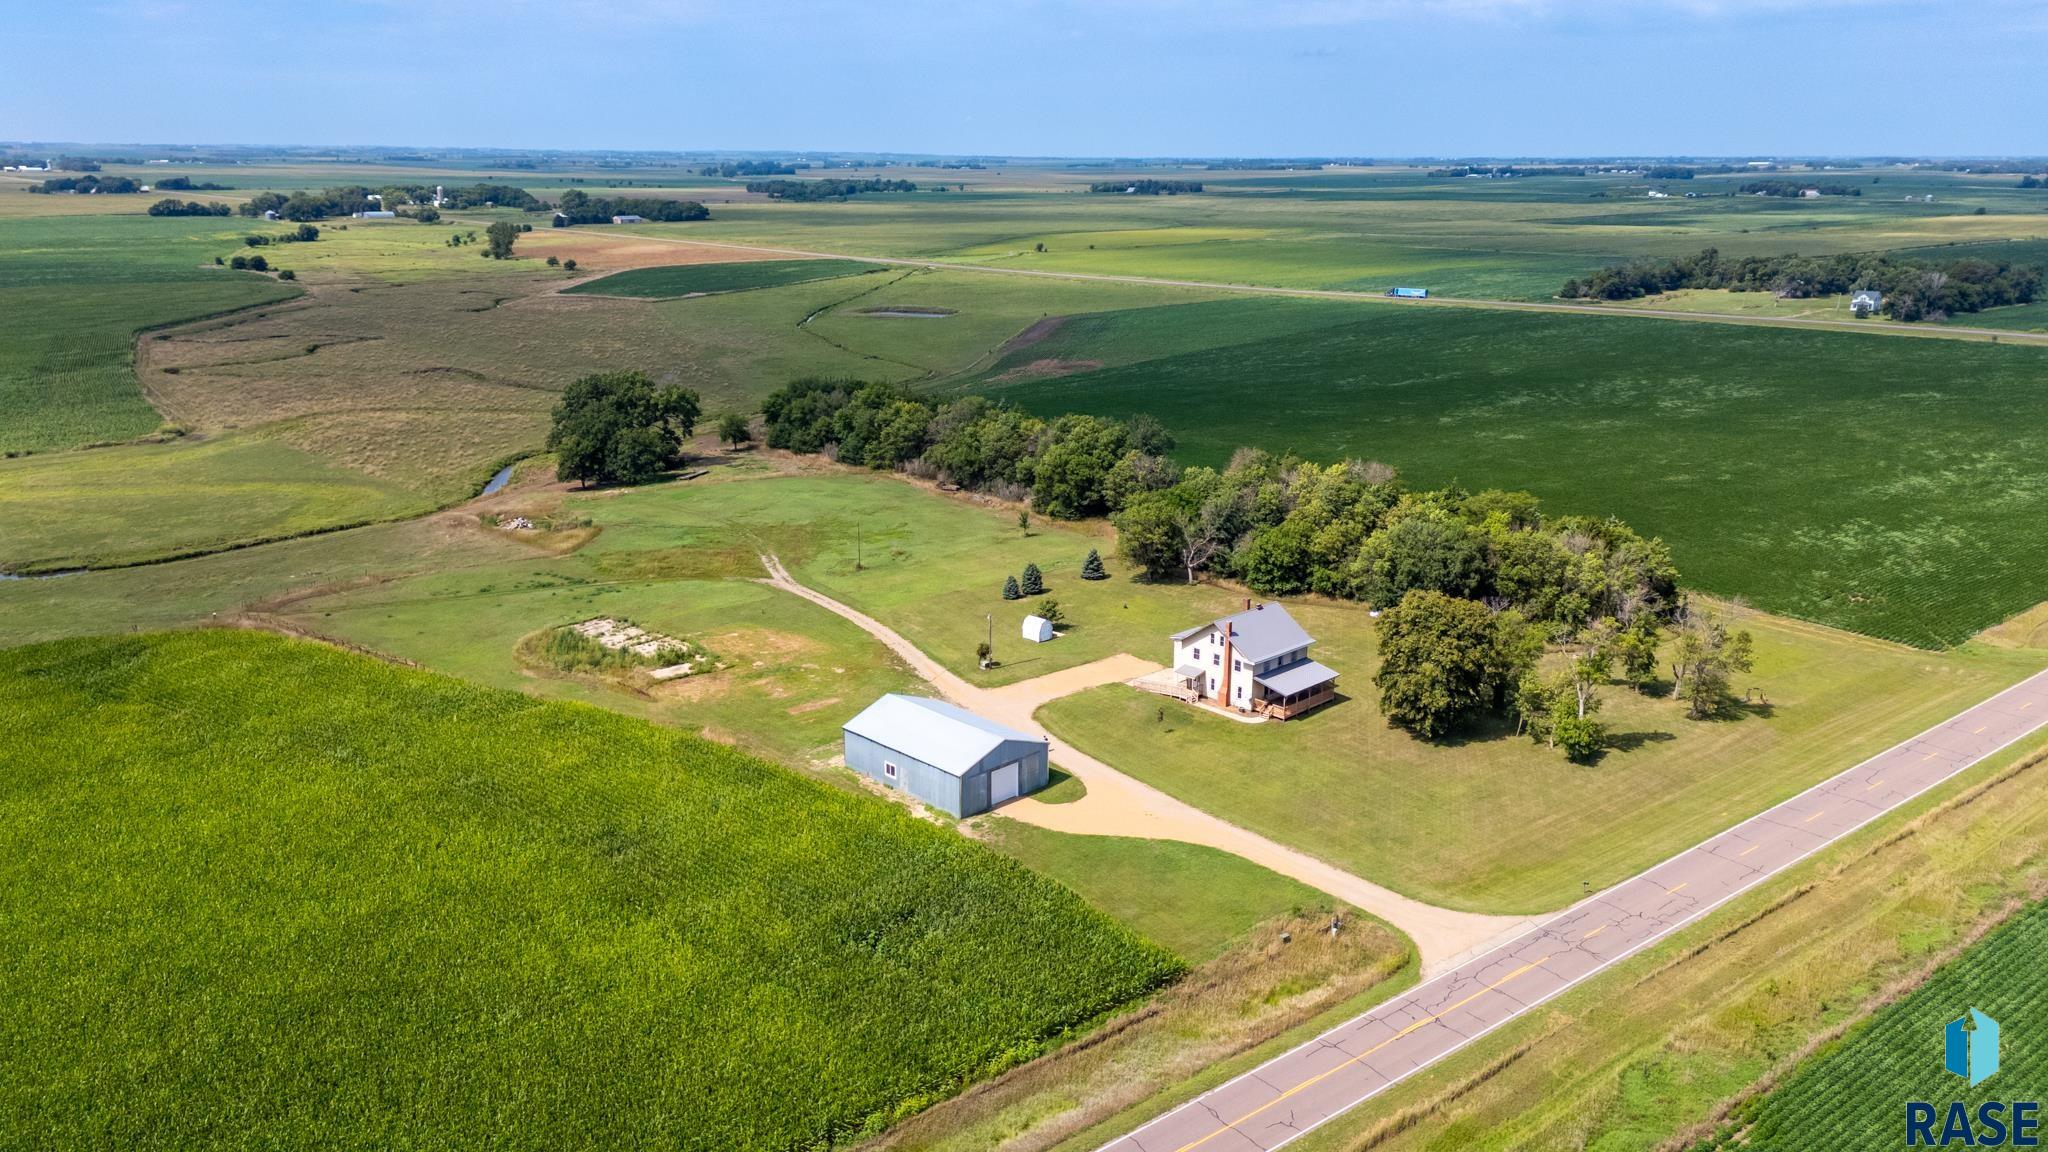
x: 1853, y: 1095
x: 691, y: 279
x: 1870, y: 483
x: 353, y: 906
x: 75, y: 290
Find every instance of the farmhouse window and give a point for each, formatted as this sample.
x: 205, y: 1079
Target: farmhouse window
x: 889, y: 769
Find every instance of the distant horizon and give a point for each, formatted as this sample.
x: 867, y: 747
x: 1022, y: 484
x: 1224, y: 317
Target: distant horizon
x: 98, y: 150
x: 1053, y: 78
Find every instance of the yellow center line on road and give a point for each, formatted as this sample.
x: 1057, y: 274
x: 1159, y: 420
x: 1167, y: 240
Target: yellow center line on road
x: 1593, y: 933
x: 1873, y: 784
x: 1317, y: 1079
x: 1930, y: 756
x: 1674, y: 891
x: 1748, y: 850
x: 1980, y: 730
x: 1815, y: 816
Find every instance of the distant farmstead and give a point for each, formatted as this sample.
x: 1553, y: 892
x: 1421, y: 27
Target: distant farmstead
x: 1256, y: 662
x: 628, y: 219
x: 1865, y: 301
x: 946, y: 756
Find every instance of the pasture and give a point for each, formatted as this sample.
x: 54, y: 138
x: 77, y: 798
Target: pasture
x: 363, y: 907
x: 1868, y: 483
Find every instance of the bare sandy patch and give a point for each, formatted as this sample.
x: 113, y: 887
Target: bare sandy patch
x: 1047, y: 369
x: 1034, y: 334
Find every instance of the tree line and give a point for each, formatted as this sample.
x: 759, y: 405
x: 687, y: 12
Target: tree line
x: 580, y: 207
x: 801, y: 190
x: 732, y: 168
x: 350, y: 199
x: 89, y: 185
x: 1500, y: 171
x: 1796, y: 188
x: 1913, y: 289
x: 1474, y: 588
x: 172, y: 206
x: 1147, y: 187
x: 187, y: 184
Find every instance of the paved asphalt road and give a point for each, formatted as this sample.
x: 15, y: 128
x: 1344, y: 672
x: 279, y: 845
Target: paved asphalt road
x: 1294, y: 1092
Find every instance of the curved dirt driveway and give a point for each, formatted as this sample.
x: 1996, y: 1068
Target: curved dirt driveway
x: 1120, y: 805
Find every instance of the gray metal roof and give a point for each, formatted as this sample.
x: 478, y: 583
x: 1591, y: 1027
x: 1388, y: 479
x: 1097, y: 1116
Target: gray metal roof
x: 1296, y: 678
x: 1260, y: 632
x: 950, y: 739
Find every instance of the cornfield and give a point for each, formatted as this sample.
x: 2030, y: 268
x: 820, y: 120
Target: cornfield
x: 261, y: 893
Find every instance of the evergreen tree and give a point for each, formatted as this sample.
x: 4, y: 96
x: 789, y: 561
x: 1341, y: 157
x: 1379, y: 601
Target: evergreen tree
x: 1091, y: 568
x: 1010, y: 591
x: 1034, y: 581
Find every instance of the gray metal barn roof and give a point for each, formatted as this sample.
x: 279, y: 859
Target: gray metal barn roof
x: 1259, y: 633
x: 950, y: 739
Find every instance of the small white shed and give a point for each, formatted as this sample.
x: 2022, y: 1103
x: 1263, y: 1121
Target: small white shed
x: 1037, y: 629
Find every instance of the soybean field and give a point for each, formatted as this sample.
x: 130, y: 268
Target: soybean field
x: 1887, y: 486
x: 1854, y: 1094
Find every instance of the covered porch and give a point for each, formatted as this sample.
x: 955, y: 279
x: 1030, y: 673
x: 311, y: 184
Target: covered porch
x: 1288, y: 692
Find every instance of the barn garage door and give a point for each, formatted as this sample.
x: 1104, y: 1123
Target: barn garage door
x: 1002, y: 785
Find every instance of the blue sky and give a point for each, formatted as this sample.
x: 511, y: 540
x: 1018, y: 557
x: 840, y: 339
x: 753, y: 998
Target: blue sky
x: 1044, y: 77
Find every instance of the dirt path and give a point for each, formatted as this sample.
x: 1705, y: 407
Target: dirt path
x: 1120, y: 805
x: 1881, y: 327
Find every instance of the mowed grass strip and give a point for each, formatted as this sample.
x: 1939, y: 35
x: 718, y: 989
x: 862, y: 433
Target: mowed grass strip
x: 260, y: 892
x: 1873, y: 484
x: 1192, y: 898
x: 688, y: 279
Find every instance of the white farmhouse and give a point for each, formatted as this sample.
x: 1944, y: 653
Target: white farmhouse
x: 1256, y: 661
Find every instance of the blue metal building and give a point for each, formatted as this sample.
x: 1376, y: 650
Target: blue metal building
x: 945, y: 756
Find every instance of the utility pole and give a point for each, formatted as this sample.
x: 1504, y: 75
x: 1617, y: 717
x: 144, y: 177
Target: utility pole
x: 856, y: 546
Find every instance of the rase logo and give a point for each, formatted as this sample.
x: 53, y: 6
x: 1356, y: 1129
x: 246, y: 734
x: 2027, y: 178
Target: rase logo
x: 1970, y: 1050
x: 1970, y: 1047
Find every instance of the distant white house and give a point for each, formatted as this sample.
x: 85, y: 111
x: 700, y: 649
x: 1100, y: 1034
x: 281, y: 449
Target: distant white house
x: 1255, y: 661
x: 270, y: 213
x: 1865, y: 301
x: 375, y: 214
x: 1037, y: 629
x: 1809, y: 193
x: 1656, y: 194
x: 628, y: 220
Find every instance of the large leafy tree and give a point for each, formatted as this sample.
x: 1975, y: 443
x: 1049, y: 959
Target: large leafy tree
x: 620, y: 428
x: 1442, y: 658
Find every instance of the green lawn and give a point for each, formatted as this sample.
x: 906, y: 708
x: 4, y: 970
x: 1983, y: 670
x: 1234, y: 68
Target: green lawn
x: 1704, y: 434
x: 1854, y: 1094
x: 688, y: 279
x: 1491, y: 822
x: 261, y: 892
x: 1192, y: 899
